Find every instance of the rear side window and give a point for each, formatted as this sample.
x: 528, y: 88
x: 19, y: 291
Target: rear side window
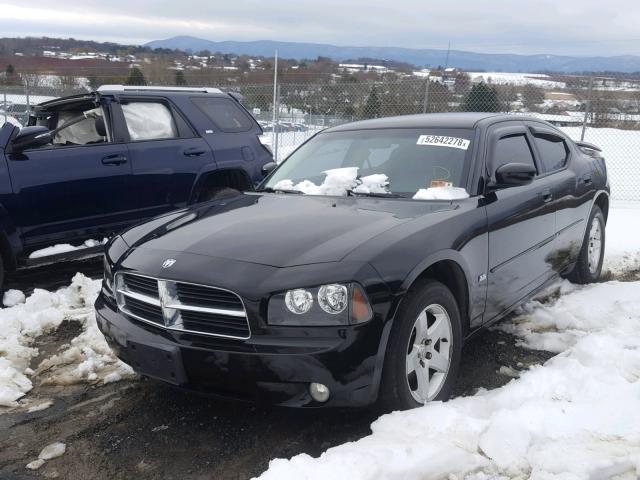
x: 553, y: 151
x: 224, y: 114
x: 512, y: 149
x: 149, y: 121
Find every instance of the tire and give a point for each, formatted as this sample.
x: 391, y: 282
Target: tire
x: 217, y: 193
x: 589, y: 264
x: 414, y: 370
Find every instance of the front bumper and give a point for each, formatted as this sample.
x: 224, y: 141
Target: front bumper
x: 276, y: 367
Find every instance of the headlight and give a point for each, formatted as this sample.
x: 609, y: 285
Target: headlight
x: 337, y: 304
x: 298, y: 301
x: 333, y: 298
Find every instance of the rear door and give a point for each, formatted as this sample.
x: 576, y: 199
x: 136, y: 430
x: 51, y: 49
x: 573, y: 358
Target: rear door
x: 521, y: 223
x: 166, y: 154
x: 73, y: 188
x: 570, y: 202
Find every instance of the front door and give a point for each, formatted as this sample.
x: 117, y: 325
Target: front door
x: 521, y: 225
x: 77, y: 187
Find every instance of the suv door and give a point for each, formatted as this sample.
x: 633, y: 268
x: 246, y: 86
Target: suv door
x: 570, y: 204
x: 521, y: 223
x: 72, y: 188
x: 166, y: 154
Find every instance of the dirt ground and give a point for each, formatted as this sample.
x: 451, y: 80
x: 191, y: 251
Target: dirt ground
x: 145, y: 430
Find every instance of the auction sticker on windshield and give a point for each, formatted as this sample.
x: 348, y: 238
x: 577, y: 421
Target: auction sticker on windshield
x: 442, y: 141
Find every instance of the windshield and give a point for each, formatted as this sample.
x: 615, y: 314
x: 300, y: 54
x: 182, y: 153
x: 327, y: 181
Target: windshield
x: 404, y: 162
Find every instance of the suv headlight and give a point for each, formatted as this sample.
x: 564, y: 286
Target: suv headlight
x: 327, y: 305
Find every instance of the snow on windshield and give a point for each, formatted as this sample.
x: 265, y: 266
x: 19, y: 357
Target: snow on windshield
x: 340, y: 181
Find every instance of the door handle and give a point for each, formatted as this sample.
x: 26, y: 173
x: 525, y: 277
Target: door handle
x: 116, y: 159
x: 547, y: 195
x: 193, y: 152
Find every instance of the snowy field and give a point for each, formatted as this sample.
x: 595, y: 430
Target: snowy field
x: 621, y: 150
x: 577, y: 417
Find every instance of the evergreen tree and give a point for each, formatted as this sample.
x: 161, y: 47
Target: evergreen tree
x: 373, y: 106
x: 180, y: 79
x: 136, y: 77
x: 481, y: 98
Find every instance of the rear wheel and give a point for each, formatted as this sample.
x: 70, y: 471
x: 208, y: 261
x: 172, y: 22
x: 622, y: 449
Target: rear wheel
x: 589, y: 264
x: 423, y: 353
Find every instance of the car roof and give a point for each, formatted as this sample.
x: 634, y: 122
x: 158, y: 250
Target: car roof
x: 429, y: 120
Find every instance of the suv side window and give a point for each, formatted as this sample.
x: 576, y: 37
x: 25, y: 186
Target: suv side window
x: 553, y: 151
x: 224, y: 114
x: 512, y: 149
x: 78, y: 127
x: 149, y: 120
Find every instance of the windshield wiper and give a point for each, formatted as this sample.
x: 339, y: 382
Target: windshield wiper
x: 374, y: 194
x: 279, y: 190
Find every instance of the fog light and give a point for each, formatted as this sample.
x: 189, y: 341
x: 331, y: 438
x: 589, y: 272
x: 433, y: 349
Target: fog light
x: 319, y: 392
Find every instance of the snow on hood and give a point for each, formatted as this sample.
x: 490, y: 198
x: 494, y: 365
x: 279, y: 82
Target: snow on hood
x: 339, y: 181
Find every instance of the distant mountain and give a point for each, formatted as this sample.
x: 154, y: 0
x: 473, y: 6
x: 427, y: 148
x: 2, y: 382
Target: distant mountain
x: 419, y: 57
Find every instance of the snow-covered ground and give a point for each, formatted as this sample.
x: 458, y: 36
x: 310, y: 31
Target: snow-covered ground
x: 87, y: 358
x: 506, y: 78
x: 575, y: 417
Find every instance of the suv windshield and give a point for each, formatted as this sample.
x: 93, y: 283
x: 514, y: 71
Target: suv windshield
x: 395, y: 161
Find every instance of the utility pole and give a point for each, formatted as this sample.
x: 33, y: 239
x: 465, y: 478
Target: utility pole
x: 276, y: 106
x: 426, y: 94
x: 587, y: 109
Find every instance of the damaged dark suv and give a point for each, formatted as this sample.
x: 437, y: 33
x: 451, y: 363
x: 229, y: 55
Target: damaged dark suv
x: 363, y: 262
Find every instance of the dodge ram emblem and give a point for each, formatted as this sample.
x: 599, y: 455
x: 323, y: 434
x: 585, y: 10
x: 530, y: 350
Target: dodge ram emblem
x: 168, y: 263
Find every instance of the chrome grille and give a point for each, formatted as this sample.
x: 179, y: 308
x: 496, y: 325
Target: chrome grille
x: 182, y: 306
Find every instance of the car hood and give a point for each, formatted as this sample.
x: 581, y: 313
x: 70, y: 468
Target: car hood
x: 278, y: 230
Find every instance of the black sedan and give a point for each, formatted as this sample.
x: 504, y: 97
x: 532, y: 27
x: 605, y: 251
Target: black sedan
x: 357, y: 270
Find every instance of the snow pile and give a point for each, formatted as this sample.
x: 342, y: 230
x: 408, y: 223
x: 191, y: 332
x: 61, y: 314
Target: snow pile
x: 576, y: 417
x: 88, y: 358
x: 65, y: 247
x: 441, y: 193
x: 338, y: 182
x: 12, y: 297
x: 53, y: 450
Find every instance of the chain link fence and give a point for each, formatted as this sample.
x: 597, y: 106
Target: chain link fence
x: 604, y: 110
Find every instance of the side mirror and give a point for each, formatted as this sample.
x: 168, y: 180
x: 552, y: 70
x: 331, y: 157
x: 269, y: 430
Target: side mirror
x: 514, y: 174
x: 30, y: 137
x: 267, y: 168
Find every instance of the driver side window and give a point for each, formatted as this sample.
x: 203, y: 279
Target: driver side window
x: 77, y: 127
x: 512, y: 149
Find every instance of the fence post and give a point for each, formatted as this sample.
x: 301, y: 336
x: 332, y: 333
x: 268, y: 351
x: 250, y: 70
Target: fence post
x: 426, y: 95
x: 276, y: 107
x: 587, y: 108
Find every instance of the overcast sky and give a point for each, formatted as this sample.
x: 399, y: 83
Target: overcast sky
x: 576, y: 27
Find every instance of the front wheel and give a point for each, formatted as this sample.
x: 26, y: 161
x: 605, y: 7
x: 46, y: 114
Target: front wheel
x: 423, y: 353
x: 589, y: 264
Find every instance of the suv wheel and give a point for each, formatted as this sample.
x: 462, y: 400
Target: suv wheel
x: 423, y: 353
x: 589, y: 264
